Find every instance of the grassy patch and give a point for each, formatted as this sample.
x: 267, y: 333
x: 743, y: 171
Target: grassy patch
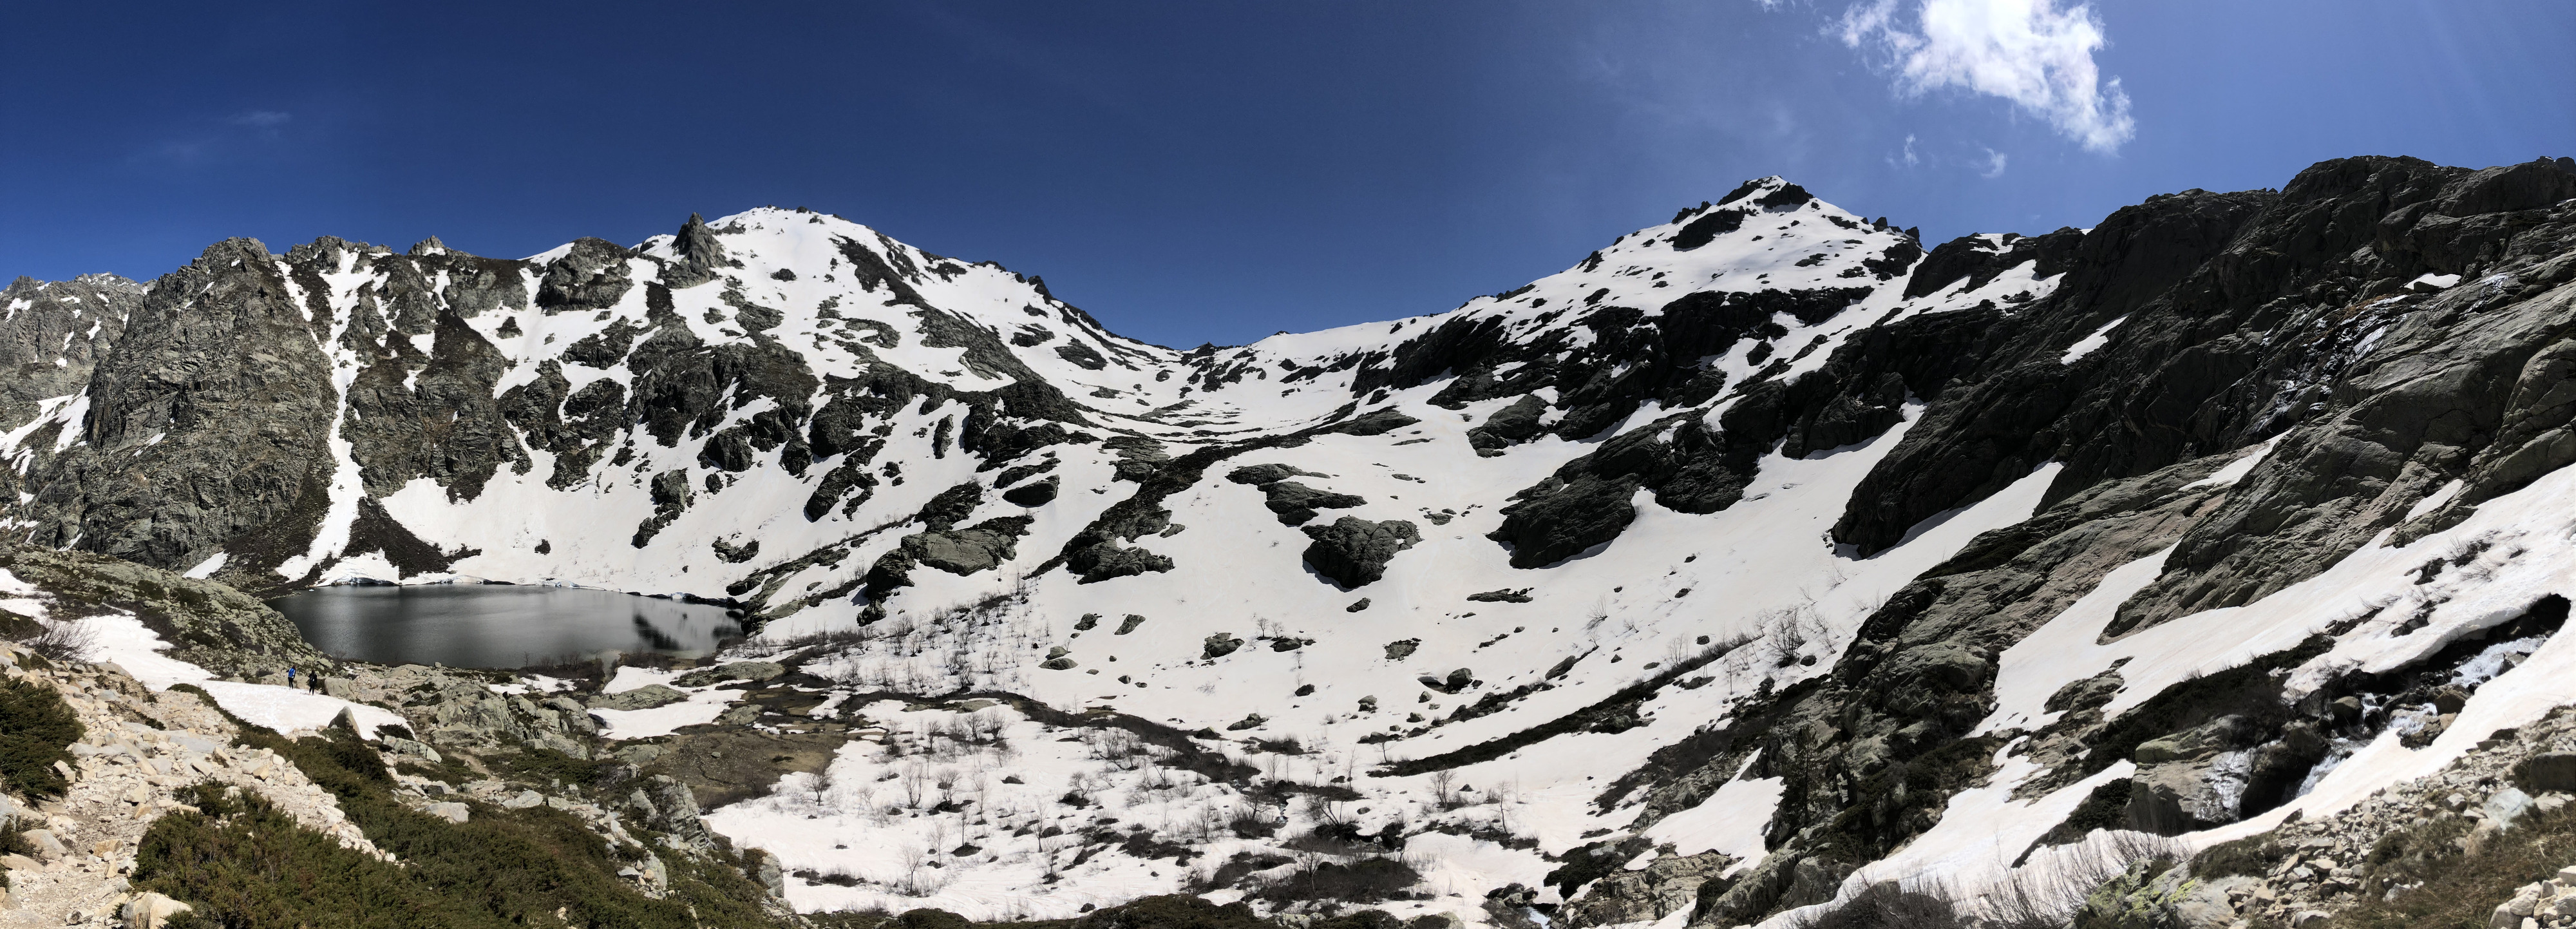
x: 36, y: 730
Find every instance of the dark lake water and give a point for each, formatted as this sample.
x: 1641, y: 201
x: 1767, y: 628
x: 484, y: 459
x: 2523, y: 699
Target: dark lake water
x: 499, y: 626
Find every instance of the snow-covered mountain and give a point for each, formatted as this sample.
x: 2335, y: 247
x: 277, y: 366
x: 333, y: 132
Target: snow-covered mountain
x: 1915, y: 550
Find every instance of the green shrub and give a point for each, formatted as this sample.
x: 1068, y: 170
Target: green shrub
x: 502, y: 867
x: 240, y: 861
x: 36, y: 730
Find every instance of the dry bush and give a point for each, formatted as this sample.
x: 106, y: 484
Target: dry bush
x: 1891, y: 905
x: 2045, y: 893
x: 64, y: 641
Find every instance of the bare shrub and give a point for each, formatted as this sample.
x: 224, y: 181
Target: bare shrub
x: 64, y: 641
x: 916, y: 784
x: 1891, y: 905
x: 2045, y: 893
x: 1441, y: 788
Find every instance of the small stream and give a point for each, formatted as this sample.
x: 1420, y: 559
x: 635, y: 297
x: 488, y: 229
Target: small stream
x: 500, y: 625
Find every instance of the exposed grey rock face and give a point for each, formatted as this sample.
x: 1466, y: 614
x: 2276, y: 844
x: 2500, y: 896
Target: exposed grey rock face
x: 1666, y: 885
x: 2391, y: 395
x: 202, y: 424
x: 592, y: 276
x: 2378, y: 427
x: 1975, y: 442
x: 53, y: 333
x: 1919, y: 676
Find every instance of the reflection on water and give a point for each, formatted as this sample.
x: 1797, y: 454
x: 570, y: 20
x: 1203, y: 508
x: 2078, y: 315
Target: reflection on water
x: 499, y: 626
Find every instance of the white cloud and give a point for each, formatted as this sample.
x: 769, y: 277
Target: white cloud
x: 263, y: 119
x: 1906, y: 158
x: 1992, y: 165
x: 2026, y: 51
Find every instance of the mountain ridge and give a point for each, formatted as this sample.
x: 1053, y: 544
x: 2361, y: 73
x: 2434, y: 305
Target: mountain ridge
x: 1896, y: 532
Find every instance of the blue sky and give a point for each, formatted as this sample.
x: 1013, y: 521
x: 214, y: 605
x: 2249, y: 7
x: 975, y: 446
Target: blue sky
x: 1215, y: 172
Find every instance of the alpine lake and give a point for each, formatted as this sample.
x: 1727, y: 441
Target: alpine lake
x: 501, y: 625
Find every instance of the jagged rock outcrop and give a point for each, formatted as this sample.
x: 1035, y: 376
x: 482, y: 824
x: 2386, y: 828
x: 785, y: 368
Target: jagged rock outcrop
x: 202, y: 423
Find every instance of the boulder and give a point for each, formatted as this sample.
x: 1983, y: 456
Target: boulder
x: 2183, y: 796
x: 667, y: 805
x: 2507, y: 806
x: 1376, y: 422
x: 766, y: 870
x: 1260, y: 474
x: 401, y: 746
x: 451, y: 811
x: 1035, y: 494
x: 1353, y: 552
x: 152, y: 911
x: 2547, y: 772
x: 1456, y: 681
x: 2218, y: 735
x: 44, y: 844
x: 641, y: 698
